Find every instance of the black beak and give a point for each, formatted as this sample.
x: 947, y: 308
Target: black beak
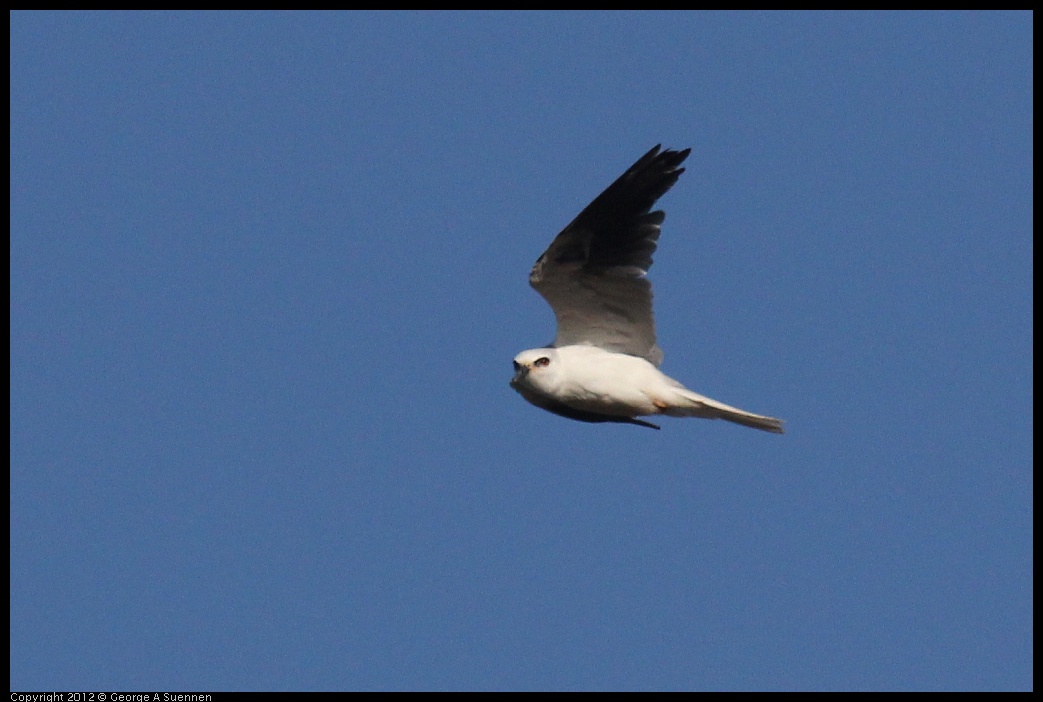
x: 520, y: 372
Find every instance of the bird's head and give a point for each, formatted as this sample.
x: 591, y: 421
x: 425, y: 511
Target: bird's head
x: 535, y: 369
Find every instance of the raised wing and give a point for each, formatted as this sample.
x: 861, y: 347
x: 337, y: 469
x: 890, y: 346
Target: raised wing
x: 593, y: 274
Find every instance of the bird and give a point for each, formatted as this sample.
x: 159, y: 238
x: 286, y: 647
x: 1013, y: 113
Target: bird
x: 603, y: 365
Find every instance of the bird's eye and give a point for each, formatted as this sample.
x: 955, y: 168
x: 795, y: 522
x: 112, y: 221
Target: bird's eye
x: 541, y: 362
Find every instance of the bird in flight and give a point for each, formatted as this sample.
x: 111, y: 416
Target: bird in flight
x: 603, y: 366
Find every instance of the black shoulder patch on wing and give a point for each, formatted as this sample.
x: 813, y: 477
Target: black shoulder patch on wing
x: 563, y: 410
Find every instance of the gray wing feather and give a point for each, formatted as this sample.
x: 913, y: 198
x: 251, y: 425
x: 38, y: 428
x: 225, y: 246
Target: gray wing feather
x: 593, y: 273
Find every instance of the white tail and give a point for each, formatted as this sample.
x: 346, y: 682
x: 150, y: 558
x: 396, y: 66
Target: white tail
x: 691, y: 404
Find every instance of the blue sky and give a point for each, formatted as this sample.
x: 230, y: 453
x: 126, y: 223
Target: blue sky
x: 269, y: 271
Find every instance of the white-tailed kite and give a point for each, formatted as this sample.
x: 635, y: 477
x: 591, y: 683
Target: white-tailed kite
x: 603, y: 365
